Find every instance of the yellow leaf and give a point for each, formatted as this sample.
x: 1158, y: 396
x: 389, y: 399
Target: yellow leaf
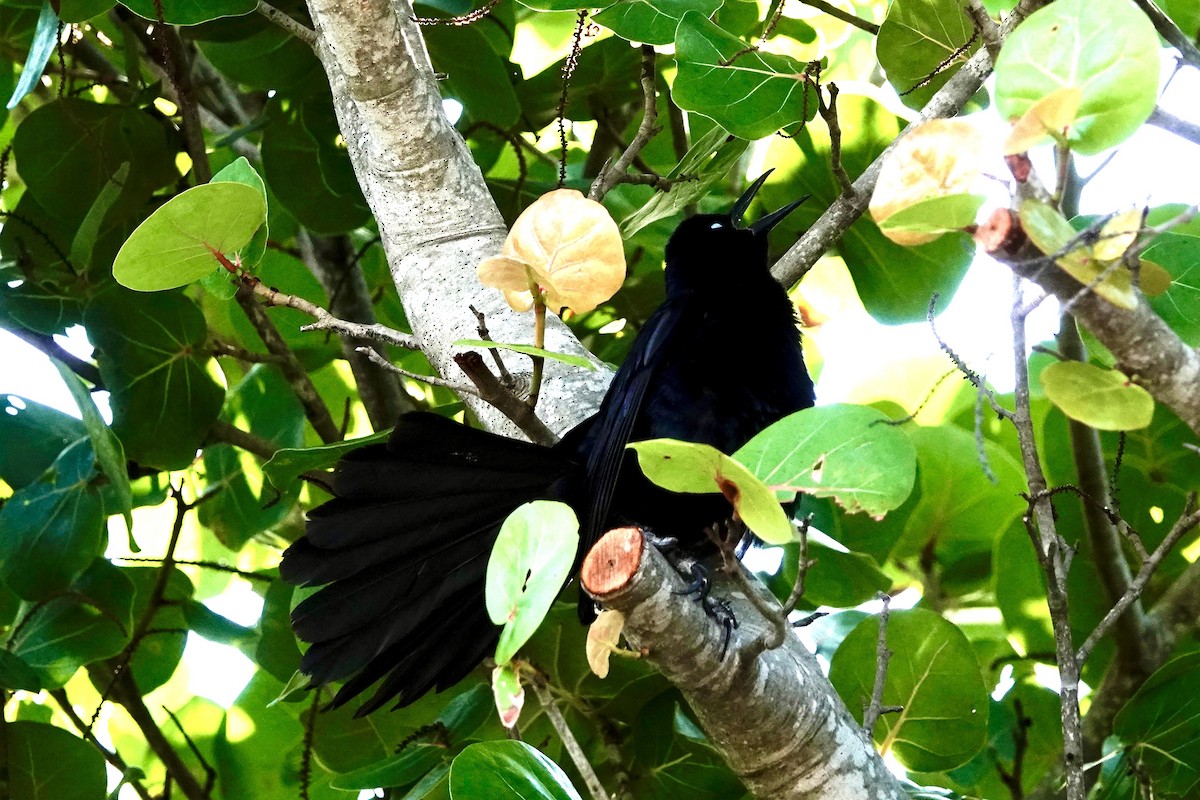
x: 602, y: 638
x: 1118, y: 234
x: 570, y: 247
x: 1155, y: 280
x: 940, y: 157
x: 1046, y: 118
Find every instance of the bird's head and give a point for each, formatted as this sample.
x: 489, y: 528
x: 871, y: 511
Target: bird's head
x: 717, y: 247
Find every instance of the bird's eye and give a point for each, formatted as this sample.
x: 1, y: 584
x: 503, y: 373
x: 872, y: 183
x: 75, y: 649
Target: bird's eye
x: 716, y: 226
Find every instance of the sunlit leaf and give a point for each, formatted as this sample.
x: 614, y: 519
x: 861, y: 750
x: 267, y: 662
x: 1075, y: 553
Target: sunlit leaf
x: 603, y: 636
x: 530, y: 350
x: 1107, y: 49
x: 917, y: 42
x: 932, y: 674
x: 1045, y: 119
x: 841, y: 451
x: 940, y: 158
x: 565, y: 243
x: 508, y: 694
x: 1102, y: 398
x: 751, y: 94
x: 700, y: 468
x: 530, y: 561
x: 508, y: 770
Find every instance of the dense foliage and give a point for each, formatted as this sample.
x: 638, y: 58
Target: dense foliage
x: 119, y: 539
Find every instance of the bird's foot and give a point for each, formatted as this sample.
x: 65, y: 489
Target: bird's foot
x: 715, y: 608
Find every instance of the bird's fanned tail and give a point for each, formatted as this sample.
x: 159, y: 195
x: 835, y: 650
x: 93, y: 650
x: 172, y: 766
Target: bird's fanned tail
x: 402, y: 551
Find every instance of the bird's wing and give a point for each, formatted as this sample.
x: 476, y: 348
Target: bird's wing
x: 614, y: 423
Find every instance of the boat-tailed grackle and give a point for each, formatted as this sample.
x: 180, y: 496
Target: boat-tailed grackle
x: 403, y: 546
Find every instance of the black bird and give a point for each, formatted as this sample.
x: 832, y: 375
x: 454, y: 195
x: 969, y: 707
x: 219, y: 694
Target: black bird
x: 404, y: 544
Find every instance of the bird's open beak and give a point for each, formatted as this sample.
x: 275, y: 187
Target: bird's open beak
x: 764, y: 225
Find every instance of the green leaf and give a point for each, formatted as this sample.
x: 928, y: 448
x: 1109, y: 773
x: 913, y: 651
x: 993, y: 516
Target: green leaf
x: 93, y: 620
x: 289, y: 463
x: 178, y: 243
x: 31, y: 437
x: 1161, y: 724
x: 89, y: 230
x: 959, y: 511
x: 1053, y: 235
x: 837, y: 578
x: 403, y: 769
x: 702, y: 469
x: 936, y: 215
x: 1102, y: 398
x: 893, y: 281
x: 159, y: 653
x: 276, y: 650
x: 1180, y: 305
x: 16, y: 674
x: 110, y: 454
x: 45, y: 39
x: 151, y: 352
x: 933, y: 674
x: 52, y: 529
x: 754, y: 96
x: 253, y: 51
x: 651, y: 21
x: 244, y: 504
x: 530, y: 562
x: 562, y: 5
x: 82, y: 10
x: 45, y: 762
x: 530, y: 350
x: 476, y: 75
x: 240, y: 171
x: 508, y: 694
x: 190, y: 12
x: 308, y: 171
x: 508, y: 770
x: 1105, y: 48
x: 841, y: 451
x: 708, y: 160
x: 918, y: 36
x: 70, y: 149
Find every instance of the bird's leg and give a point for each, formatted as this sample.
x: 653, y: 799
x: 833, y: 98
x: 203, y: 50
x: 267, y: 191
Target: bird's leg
x: 714, y: 607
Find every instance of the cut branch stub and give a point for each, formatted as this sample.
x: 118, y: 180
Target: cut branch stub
x: 612, y: 563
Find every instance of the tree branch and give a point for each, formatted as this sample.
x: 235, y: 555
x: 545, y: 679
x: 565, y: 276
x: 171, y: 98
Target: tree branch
x: 844, y: 211
x: 578, y: 758
x: 844, y: 16
x: 1170, y: 31
x: 436, y: 217
x: 743, y: 704
x: 612, y: 173
x: 1173, y: 124
x: 331, y: 261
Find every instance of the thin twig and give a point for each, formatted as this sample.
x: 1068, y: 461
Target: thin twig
x: 567, y: 71
x: 875, y: 708
x: 301, y: 32
x: 210, y: 774
x: 1189, y: 520
x: 458, y: 22
x: 803, y: 565
x: 432, y: 380
x: 1014, y: 780
x: 609, y: 176
x: 1170, y: 31
x: 220, y: 348
x: 495, y: 393
x: 485, y: 335
x: 328, y: 322
x: 974, y: 377
x: 578, y: 758
x: 1182, y: 128
x: 829, y: 114
x: 986, y: 26
x: 111, y: 756
x: 213, y: 565
x: 844, y: 16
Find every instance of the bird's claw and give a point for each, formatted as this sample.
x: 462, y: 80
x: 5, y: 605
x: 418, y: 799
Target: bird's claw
x: 714, y: 607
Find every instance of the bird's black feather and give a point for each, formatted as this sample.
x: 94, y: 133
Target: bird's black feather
x: 402, y: 549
